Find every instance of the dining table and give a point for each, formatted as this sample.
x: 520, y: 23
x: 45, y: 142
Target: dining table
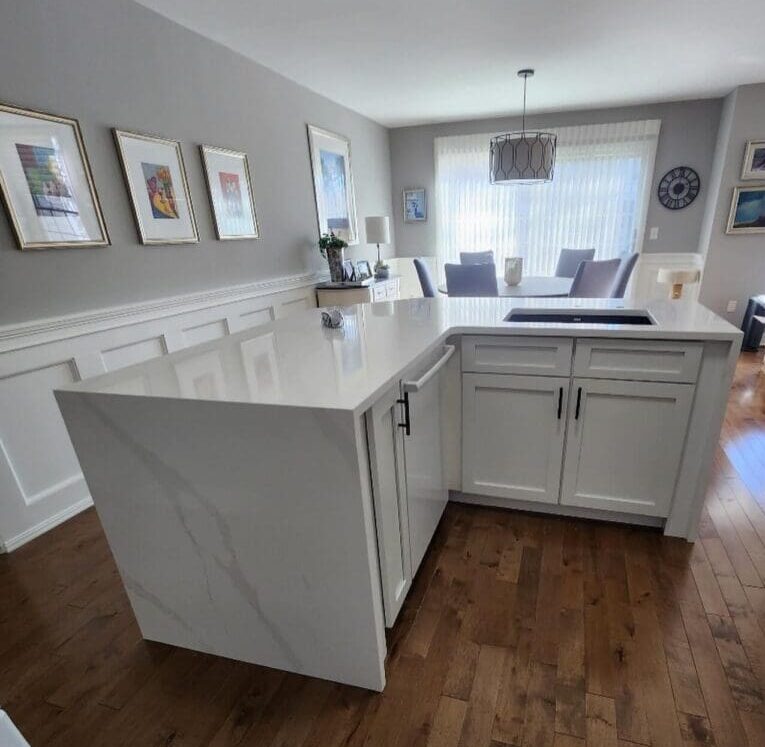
x: 531, y: 286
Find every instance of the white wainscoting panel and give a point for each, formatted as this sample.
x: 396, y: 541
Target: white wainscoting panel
x: 41, y: 484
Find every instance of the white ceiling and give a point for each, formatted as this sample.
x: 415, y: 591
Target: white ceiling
x: 411, y: 61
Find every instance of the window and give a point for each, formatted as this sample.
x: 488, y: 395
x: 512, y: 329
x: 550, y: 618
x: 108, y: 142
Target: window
x: 598, y: 198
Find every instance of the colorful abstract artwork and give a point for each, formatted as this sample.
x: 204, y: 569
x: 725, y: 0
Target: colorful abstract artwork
x: 46, y: 179
x: 334, y: 190
x: 159, y: 186
x: 231, y: 193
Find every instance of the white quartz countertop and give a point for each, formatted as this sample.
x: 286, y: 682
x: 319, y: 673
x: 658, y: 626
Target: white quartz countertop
x: 297, y: 362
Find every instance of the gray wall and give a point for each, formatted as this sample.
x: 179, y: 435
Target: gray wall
x: 735, y: 264
x: 687, y: 138
x: 115, y: 63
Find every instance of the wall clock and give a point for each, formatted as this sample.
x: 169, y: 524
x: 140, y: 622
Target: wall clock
x: 679, y: 187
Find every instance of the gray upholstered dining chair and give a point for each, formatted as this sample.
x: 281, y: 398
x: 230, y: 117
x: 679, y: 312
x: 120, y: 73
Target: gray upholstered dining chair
x: 426, y: 279
x: 594, y: 279
x: 627, y: 262
x: 476, y: 258
x: 569, y: 260
x: 471, y: 280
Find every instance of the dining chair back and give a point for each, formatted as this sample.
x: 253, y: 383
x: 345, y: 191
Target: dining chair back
x: 627, y: 263
x: 426, y: 279
x: 594, y: 279
x: 569, y: 260
x: 476, y: 258
x: 471, y: 280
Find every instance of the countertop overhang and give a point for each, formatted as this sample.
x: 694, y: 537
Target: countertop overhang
x: 296, y: 362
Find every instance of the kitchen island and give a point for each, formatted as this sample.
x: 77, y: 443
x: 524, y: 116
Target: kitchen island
x: 269, y: 496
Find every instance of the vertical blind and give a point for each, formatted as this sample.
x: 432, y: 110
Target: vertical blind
x: 597, y: 199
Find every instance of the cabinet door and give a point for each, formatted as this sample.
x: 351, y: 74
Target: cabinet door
x: 386, y: 460
x: 513, y: 433
x: 624, y: 445
x: 426, y: 489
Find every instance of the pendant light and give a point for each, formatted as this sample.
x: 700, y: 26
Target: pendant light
x: 526, y: 157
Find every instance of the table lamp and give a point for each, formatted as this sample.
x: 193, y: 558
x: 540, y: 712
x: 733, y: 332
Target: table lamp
x: 378, y: 232
x: 677, y: 278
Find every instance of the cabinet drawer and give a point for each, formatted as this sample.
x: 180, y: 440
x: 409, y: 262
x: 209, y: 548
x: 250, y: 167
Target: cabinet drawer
x: 637, y: 360
x: 545, y: 356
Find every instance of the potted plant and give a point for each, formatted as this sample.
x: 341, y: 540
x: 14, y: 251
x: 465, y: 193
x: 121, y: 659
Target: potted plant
x: 332, y: 249
x: 382, y: 271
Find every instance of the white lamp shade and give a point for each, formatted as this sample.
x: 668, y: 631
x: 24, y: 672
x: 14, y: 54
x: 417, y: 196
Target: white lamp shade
x: 673, y: 276
x: 378, y: 229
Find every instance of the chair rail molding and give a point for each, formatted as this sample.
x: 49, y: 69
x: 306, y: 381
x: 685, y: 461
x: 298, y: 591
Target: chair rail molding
x: 41, y: 483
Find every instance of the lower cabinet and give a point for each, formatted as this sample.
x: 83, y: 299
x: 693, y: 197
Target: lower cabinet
x: 385, y: 440
x: 624, y: 444
x: 593, y: 443
x: 404, y: 438
x: 513, y: 431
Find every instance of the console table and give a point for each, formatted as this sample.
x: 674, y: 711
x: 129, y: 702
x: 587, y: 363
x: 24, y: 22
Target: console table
x: 347, y: 294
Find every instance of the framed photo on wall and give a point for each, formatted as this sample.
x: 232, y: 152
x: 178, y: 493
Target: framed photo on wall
x: 228, y: 185
x: 754, y: 161
x: 415, y: 205
x: 747, y: 210
x: 333, y: 183
x: 46, y: 183
x: 159, y: 192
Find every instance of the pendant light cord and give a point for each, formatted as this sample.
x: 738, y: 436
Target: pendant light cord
x: 525, y: 80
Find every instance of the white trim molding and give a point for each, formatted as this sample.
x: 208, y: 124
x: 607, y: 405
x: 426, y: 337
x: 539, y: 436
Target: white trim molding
x: 41, y: 483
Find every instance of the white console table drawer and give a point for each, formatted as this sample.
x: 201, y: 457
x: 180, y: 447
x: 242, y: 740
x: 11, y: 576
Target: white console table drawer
x: 541, y: 356
x: 649, y: 360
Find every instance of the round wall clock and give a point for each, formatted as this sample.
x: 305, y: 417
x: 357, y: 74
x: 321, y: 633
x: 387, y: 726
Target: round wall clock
x: 679, y: 187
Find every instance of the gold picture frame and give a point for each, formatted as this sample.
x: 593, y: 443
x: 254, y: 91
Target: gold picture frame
x: 154, y: 206
x: 47, y: 185
x: 208, y: 154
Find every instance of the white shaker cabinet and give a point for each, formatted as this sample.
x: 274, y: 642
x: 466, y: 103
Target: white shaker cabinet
x: 385, y: 439
x: 404, y: 438
x: 624, y: 445
x: 513, y: 434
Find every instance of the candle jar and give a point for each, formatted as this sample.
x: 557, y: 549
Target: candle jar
x: 513, y: 270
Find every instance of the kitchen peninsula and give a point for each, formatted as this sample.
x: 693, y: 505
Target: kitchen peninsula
x: 269, y: 496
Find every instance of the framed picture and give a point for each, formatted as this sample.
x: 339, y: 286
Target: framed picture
x: 349, y: 271
x: 415, y: 205
x: 747, y: 210
x: 228, y: 184
x: 156, y: 180
x: 46, y: 183
x: 333, y: 183
x: 754, y: 160
x: 363, y: 270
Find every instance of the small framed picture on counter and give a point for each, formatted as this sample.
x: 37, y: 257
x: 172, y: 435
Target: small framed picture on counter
x: 415, y: 205
x: 363, y: 270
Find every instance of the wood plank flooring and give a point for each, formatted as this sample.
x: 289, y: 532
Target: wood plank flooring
x: 519, y: 630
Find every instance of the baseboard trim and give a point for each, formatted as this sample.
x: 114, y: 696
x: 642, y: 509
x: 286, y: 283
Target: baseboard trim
x: 44, y: 331
x: 52, y: 521
x: 556, y: 509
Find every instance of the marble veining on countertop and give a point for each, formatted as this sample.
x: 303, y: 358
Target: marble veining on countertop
x: 296, y: 362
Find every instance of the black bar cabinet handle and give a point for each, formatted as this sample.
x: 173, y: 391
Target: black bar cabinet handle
x: 578, y: 402
x: 560, y: 402
x: 407, y: 424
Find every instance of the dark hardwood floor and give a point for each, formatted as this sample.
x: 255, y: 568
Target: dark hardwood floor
x: 520, y: 630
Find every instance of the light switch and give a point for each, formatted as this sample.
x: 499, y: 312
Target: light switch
x: 732, y: 305
x: 653, y: 234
